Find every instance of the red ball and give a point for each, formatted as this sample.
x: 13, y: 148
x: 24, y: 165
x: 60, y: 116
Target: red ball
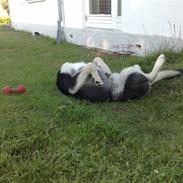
x: 6, y: 90
x: 21, y: 89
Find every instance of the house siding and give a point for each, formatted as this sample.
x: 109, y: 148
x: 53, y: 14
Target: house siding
x: 143, y: 23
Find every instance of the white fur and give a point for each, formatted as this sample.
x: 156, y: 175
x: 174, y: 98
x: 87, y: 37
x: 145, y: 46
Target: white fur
x: 89, y: 69
x: 69, y: 68
x: 118, y: 80
x: 157, y: 67
x: 166, y: 74
x: 101, y: 64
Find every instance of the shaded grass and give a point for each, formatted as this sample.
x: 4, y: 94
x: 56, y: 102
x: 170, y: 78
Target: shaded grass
x: 48, y: 137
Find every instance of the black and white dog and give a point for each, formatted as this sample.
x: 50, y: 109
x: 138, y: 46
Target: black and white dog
x: 95, y: 82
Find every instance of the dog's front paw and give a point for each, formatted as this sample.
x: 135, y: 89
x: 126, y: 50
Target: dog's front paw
x: 108, y: 73
x: 99, y: 83
x: 162, y: 58
x: 72, y: 91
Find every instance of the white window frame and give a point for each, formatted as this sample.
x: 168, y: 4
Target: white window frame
x: 111, y: 21
x: 34, y: 1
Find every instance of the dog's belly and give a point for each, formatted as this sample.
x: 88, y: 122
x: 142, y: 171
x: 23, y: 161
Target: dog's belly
x: 94, y: 93
x: 116, y: 85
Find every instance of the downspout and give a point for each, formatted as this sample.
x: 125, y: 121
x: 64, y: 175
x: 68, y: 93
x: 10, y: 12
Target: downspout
x: 59, y: 30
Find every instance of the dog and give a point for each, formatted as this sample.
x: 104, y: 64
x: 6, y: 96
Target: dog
x: 95, y: 82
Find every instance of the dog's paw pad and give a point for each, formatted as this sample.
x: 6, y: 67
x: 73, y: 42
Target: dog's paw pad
x: 99, y: 83
x: 108, y: 73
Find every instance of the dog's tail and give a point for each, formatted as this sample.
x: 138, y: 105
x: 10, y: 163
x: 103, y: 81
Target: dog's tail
x: 168, y: 74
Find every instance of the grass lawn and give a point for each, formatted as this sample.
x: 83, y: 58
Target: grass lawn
x: 46, y: 137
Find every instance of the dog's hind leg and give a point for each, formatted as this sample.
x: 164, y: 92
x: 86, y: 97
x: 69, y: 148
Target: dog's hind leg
x: 101, y: 64
x: 167, y: 74
x: 89, y: 69
x: 157, y: 67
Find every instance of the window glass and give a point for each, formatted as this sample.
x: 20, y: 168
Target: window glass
x: 100, y: 7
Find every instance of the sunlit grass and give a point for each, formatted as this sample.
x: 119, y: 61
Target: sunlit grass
x: 48, y: 137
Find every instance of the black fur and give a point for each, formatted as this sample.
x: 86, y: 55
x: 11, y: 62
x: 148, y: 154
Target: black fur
x: 136, y: 86
x: 64, y: 82
x: 88, y: 92
x: 93, y: 94
x: 180, y: 70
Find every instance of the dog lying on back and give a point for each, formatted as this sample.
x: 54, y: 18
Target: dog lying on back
x: 96, y: 83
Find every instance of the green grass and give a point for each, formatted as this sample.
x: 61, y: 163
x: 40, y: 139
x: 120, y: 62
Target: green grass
x: 46, y: 137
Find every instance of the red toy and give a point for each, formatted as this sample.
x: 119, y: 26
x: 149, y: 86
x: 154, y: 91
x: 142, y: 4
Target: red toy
x: 8, y: 90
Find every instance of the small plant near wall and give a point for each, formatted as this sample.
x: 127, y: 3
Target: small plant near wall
x: 4, y: 16
x: 4, y: 20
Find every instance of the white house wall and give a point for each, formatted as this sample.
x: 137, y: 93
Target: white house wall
x: 143, y: 22
x: 152, y: 17
x: 146, y: 17
x: 73, y: 13
x: 41, y: 17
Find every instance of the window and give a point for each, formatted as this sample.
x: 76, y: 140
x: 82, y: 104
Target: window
x: 34, y: 1
x: 100, y: 7
x: 105, y: 14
